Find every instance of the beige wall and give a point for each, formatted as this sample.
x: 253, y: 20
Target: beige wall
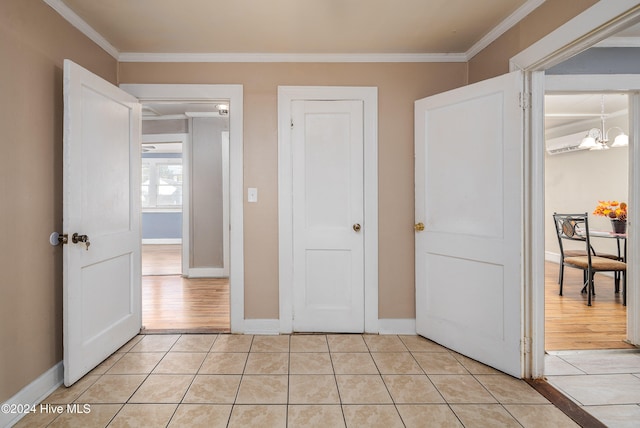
x: 34, y: 40
x: 399, y: 85
x: 494, y: 60
x: 206, y: 193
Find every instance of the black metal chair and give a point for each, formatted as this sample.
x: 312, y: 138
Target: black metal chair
x: 575, y: 227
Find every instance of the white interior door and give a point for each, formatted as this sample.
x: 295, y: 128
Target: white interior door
x: 328, y: 244
x: 469, y: 175
x: 101, y: 291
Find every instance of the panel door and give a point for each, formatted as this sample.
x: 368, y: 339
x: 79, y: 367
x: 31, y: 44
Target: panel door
x: 469, y: 178
x: 328, y: 245
x: 102, y: 307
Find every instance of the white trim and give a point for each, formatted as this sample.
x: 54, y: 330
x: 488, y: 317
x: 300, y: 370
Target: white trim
x: 633, y: 246
x: 596, y: 23
x: 619, y: 42
x: 592, y: 82
x: 369, y: 96
x: 266, y: 326
x: 33, y: 394
x: 293, y: 57
x: 82, y: 26
x: 577, y: 34
x: 168, y: 241
x: 397, y: 326
x: 503, y: 27
x: 234, y: 93
x: 534, y: 230
x: 550, y: 256
x: 207, y: 273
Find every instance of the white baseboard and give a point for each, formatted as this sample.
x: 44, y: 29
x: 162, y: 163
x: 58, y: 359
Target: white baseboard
x: 208, y: 273
x: 265, y: 326
x: 385, y: 326
x: 161, y: 241
x: 552, y: 257
x: 397, y: 326
x: 33, y: 393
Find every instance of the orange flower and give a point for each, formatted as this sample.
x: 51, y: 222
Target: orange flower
x: 611, y: 209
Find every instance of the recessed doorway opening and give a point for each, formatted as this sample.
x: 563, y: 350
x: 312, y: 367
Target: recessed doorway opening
x: 185, y: 216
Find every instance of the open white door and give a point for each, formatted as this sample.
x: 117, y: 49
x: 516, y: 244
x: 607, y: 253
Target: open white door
x: 101, y: 291
x: 468, y: 178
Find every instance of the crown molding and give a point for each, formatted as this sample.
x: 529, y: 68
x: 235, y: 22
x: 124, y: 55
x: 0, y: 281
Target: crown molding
x: 503, y: 27
x: 75, y: 20
x: 282, y: 57
x: 81, y: 25
x: 619, y: 42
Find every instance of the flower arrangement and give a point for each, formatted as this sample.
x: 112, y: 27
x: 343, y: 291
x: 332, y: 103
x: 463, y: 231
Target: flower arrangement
x: 613, y: 209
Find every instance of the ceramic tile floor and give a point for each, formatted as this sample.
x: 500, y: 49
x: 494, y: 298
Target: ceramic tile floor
x: 604, y: 383
x: 296, y: 381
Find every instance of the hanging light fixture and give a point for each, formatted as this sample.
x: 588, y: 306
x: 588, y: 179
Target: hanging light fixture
x: 598, y: 139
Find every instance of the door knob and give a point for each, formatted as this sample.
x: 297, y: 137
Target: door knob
x: 75, y: 238
x: 419, y: 227
x: 356, y: 227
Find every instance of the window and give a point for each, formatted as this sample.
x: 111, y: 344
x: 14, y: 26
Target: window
x: 161, y: 183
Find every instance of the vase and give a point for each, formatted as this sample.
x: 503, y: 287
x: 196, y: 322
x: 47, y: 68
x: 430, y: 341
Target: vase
x: 619, y: 226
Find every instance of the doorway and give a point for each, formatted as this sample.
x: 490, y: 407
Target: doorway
x: 185, y: 216
x: 198, y: 94
x: 576, y: 178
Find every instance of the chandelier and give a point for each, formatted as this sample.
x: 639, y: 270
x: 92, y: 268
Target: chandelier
x: 598, y: 139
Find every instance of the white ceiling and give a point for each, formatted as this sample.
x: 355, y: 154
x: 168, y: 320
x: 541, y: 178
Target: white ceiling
x: 562, y: 110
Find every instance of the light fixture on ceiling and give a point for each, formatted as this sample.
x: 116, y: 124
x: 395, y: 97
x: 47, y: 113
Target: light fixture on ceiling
x: 598, y: 139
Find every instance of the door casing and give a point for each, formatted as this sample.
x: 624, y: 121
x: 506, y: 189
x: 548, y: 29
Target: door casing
x: 593, y: 25
x: 369, y: 96
x: 234, y: 93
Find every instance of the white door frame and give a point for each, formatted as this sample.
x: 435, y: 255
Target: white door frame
x: 607, y: 17
x: 369, y: 96
x: 234, y: 93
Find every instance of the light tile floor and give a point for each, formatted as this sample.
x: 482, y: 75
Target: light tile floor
x: 604, y: 383
x: 295, y: 381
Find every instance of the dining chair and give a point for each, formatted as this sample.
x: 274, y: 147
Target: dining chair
x: 575, y: 227
x: 567, y: 232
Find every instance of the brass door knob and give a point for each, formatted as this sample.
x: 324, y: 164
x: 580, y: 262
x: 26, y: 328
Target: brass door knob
x: 419, y: 227
x: 356, y: 227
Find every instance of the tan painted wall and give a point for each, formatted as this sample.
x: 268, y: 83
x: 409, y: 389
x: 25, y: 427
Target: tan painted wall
x: 206, y: 237
x: 494, y: 59
x: 34, y: 40
x: 399, y: 86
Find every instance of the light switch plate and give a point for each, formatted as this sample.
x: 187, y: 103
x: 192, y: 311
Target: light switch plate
x: 252, y: 194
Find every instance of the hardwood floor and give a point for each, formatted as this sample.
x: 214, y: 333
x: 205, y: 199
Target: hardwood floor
x: 163, y: 259
x: 572, y: 325
x: 171, y: 303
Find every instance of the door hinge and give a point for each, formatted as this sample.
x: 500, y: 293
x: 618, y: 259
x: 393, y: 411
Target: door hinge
x: 525, y: 345
x: 525, y: 100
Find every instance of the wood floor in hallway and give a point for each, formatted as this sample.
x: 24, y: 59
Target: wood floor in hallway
x: 572, y: 325
x: 171, y: 303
